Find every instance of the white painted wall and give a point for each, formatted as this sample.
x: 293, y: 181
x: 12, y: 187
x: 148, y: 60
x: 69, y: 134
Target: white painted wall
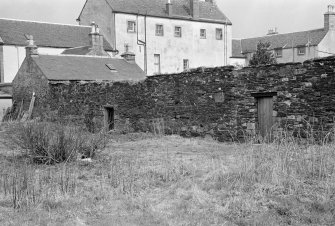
x: 14, y: 56
x: 240, y: 62
x: 291, y: 55
x: 327, y: 45
x: 207, y: 52
x: 4, y: 104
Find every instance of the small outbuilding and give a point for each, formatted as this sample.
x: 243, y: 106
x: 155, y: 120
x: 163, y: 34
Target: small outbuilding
x: 83, y: 86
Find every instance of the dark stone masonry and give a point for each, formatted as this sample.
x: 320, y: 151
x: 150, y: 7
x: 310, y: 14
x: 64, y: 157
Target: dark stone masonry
x: 205, y: 101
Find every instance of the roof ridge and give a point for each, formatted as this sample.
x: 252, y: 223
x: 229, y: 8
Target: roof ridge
x: 77, y: 47
x: 283, y: 33
x: 42, y: 22
x: 73, y: 55
x: 156, y: 8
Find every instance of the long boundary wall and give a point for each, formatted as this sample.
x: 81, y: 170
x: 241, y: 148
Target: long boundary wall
x: 206, y: 101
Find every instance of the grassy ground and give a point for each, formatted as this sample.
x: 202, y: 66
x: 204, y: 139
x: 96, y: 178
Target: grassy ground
x: 145, y: 180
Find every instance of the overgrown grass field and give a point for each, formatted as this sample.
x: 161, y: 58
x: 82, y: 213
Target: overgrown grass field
x: 142, y: 179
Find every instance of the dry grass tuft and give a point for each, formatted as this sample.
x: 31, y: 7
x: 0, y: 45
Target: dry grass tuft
x: 141, y: 179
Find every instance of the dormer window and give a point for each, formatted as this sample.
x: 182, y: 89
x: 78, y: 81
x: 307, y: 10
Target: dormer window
x: 131, y: 26
x: 301, y: 50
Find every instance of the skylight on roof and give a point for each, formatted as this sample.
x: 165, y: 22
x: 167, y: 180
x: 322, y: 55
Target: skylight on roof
x: 111, y: 67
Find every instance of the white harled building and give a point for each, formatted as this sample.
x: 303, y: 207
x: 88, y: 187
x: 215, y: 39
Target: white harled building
x: 166, y: 36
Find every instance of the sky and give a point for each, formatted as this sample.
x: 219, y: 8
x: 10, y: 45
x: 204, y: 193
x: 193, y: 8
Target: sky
x: 250, y: 18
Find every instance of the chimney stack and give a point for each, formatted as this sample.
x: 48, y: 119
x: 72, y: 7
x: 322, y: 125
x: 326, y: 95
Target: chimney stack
x: 195, y: 8
x: 272, y: 31
x: 169, y: 8
x: 330, y: 18
x: 128, y: 56
x: 96, y: 41
x: 31, y: 48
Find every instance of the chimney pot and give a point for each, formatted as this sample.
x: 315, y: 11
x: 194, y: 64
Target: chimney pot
x: 97, y: 41
x: 31, y: 48
x: 272, y: 31
x: 127, y: 55
x: 329, y: 18
x: 93, y: 27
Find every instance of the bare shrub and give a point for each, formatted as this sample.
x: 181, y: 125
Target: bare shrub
x: 52, y: 143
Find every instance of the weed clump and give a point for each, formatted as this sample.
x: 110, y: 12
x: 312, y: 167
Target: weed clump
x: 52, y: 143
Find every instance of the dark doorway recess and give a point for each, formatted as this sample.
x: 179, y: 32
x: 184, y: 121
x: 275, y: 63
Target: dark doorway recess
x: 265, y: 113
x: 109, y: 118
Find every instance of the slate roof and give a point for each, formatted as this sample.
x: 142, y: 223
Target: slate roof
x: 12, y: 32
x: 237, y: 49
x: 180, y: 8
x: 84, y: 68
x: 83, y: 50
x: 295, y: 39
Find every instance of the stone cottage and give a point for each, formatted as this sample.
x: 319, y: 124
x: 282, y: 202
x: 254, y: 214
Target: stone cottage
x: 41, y: 76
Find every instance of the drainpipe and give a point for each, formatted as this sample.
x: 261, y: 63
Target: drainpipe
x: 18, y: 57
x: 2, y: 71
x: 226, y: 43
x: 143, y: 43
x: 114, y: 23
x: 145, y: 47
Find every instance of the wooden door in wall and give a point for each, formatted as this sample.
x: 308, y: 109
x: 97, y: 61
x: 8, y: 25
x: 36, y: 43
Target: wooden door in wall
x: 265, y: 113
x: 109, y: 118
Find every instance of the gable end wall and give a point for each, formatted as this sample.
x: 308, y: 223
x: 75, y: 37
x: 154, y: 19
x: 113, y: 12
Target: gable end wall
x: 101, y: 13
x: 327, y: 45
x: 30, y: 79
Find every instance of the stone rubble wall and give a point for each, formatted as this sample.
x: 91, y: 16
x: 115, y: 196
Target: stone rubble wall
x: 208, y: 101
